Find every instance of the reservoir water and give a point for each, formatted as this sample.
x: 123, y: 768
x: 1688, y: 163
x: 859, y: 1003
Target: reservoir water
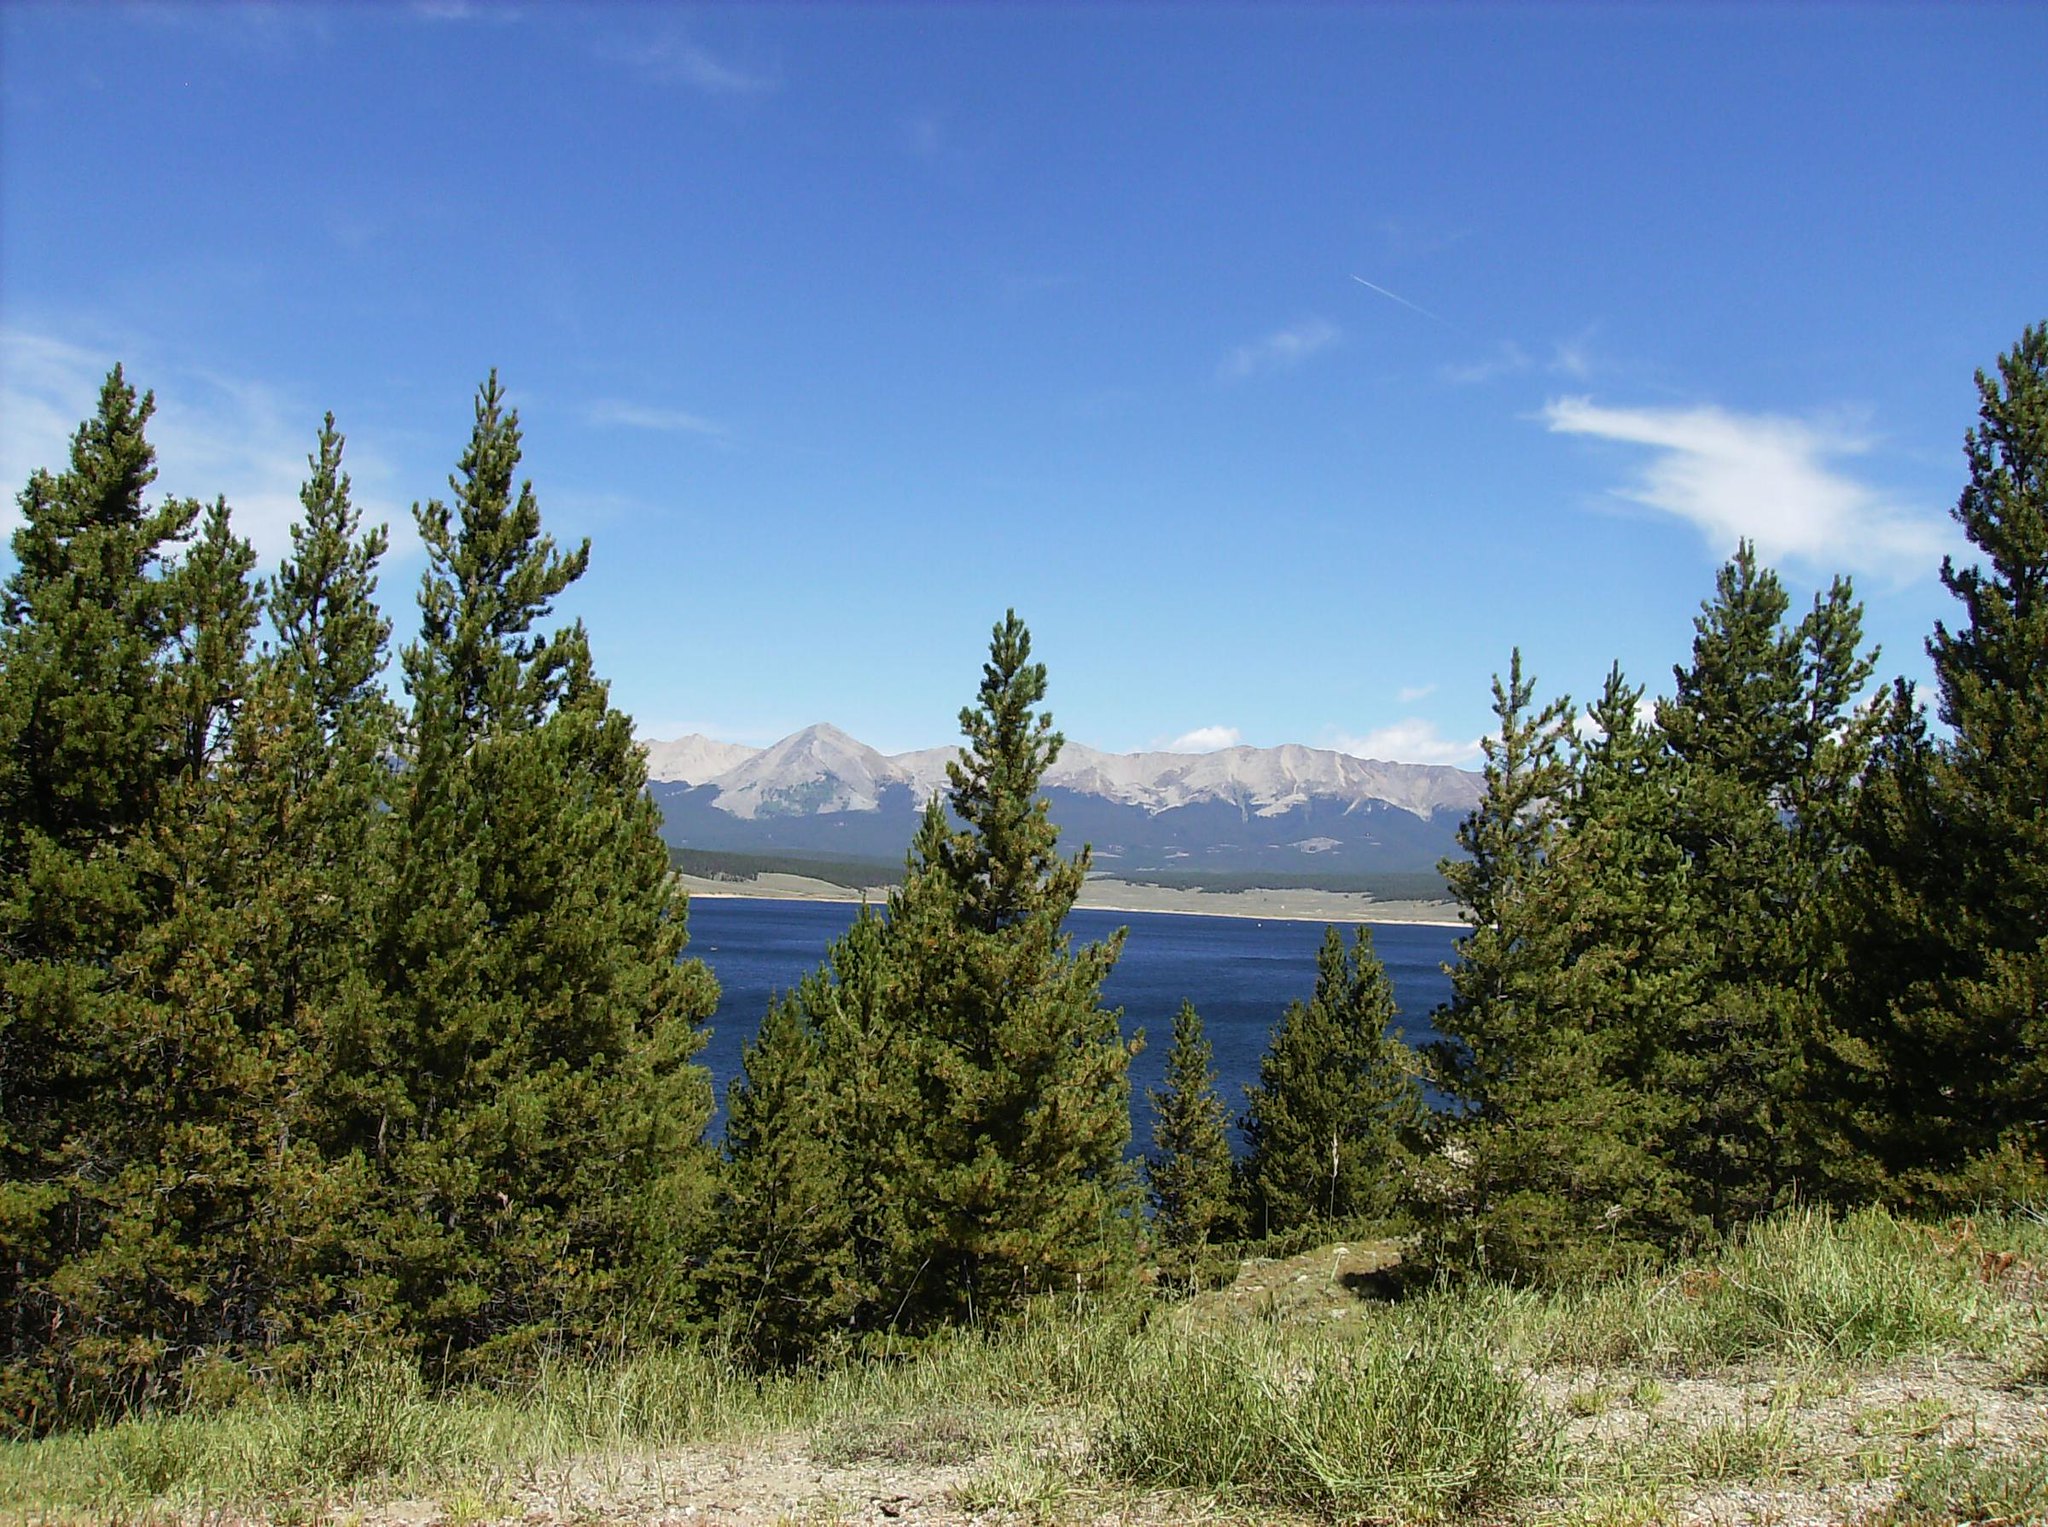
x: 1240, y: 973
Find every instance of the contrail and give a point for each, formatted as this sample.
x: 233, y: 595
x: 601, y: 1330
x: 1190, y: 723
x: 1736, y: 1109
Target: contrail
x: 1412, y: 307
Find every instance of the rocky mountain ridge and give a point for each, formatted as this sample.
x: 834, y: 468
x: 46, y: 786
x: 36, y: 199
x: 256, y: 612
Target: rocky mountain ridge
x: 1285, y: 816
x: 821, y: 770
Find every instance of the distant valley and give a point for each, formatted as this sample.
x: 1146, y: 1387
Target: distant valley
x: 1284, y: 816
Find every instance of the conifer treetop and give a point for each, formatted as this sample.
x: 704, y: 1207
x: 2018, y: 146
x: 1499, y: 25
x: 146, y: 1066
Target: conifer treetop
x: 1006, y: 862
x: 323, y: 600
x: 493, y: 575
x: 2001, y: 653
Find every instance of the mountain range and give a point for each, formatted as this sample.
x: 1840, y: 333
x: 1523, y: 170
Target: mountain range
x: 1310, y: 815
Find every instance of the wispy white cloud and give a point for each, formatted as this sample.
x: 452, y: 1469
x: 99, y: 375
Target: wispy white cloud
x: 1573, y: 357
x: 1410, y: 740
x: 495, y: 11
x: 215, y: 435
x: 1205, y: 739
x: 1281, y: 350
x: 1409, y: 694
x: 1508, y: 359
x: 670, y: 421
x: 1404, y: 240
x: 1766, y: 477
x: 673, y: 59
x: 269, y: 32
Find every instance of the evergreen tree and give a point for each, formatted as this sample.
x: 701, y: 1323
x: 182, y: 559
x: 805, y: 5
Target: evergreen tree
x: 1579, y: 1180
x: 1013, y: 1175
x: 88, y: 752
x: 315, y: 748
x: 1492, y: 1016
x: 973, y: 1092
x: 542, y: 1117
x: 260, y: 963
x: 1992, y: 678
x: 1767, y: 746
x: 815, y: 1235
x: 1337, y: 1113
x: 1188, y: 1174
x: 1560, y: 997
x: 1885, y: 1057
x: 785, y: 1269
x: 1958, y: 1055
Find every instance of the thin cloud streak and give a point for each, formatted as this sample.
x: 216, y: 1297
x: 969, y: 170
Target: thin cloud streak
x: 1282, y: 350
x: 672, y: 60
x: 1413, y: 307
x: 1766, y: 478
x: 669, y: 421
x: 1509, y: 359
x: 495, y: 12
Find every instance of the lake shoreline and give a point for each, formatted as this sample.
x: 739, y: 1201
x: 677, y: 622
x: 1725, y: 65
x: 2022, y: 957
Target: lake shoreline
x: 1107, y: 895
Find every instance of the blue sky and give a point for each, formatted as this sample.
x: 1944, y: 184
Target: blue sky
x: 1283, y: 369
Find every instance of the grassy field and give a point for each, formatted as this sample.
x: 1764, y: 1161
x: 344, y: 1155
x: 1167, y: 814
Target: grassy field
x: 1861, y: 1370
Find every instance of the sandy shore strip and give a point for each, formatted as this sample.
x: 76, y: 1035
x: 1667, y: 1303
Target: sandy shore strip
x: 1105, y: 895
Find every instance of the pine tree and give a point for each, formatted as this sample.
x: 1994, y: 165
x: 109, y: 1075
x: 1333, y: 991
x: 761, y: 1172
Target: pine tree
x: 1961, y: 1051
x: 814, y: 1235
x: 933, y: 1126
x: 540, y: 1137
x: 1767, y: 746
x: 1013, y: 1177
x: 785, y: 1270
x: 1188, y: 1174
x: 181, y: 1176
x: 262, y: 957
x: 1337, y: 1113
x: 88, y: 752
x: 1560, y: 998
x: 1883, y: 1062
x: 1580, y: 1181
x: 1502, y: 966
x: 315, y: 747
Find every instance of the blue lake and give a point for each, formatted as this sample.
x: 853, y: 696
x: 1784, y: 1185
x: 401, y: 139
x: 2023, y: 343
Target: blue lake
x: 1240, y: 973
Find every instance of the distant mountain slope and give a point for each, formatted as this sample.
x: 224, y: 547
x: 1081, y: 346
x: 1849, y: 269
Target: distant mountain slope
x: 1287, y: 810
x: 694, y: 759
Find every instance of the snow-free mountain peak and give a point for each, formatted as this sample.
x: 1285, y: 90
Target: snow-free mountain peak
x: 694, y: 759
x: 821, y: 769
x: 817, y: 770
x: 1288, y: 811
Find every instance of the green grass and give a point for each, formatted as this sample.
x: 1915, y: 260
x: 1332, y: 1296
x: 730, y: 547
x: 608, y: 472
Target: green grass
x: 1960, y: 1484
x: 1424, y: 1407
x: 1412, y: 1419
x: 1804, y: 1286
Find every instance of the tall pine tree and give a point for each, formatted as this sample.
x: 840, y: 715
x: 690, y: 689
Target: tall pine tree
x: 1014, y: 1180
x: 540, y: 1135
x: 1992, y: 678
x: 90, y: 747
x: 972, y: 1094
x: 1767, y: 744
x: 1560, y: 997
x: 1949, y: 1041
